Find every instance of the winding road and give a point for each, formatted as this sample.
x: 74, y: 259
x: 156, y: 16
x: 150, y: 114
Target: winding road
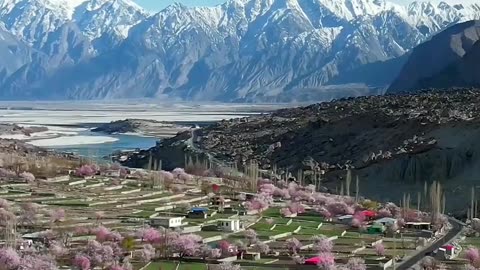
x: 457, y: 227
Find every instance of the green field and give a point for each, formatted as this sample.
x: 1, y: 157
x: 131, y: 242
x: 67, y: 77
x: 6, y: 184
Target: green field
x: 173, y: 265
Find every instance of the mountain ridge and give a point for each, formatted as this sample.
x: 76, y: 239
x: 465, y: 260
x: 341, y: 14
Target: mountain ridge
x: 242, y: 50
x: 434, y: 63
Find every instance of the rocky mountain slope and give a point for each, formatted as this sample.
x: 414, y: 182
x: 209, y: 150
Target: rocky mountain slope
x: 449, y: 59
x: 243, y: 50
x: 402, y: 141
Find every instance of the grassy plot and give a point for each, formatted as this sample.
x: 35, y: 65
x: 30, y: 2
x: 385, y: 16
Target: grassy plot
x: 173, y: 265
x: 272, y: 212
x: 317, y: 219
x: 143, y: 214
x: 266, y: 234
x: 261, y: 226
x: 309, y: 231
x: 206, y: 234
x: 471, y: 241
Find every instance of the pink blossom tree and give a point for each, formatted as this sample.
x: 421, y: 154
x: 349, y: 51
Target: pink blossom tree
x: 147, y: 253
x: 205, y: 251
x: 323, y: 212
x: 383, y: 213
x: 6, y: 217
x: 81, y: 262
x: 57, y: 215
x: 9, y: 259
x: 296, y: 208
x: 400, y: 222
x: 262, y: 248
x: 298, y: 259
x: 326, y: 261
x: 356, y: 264
x: 81, y: 231
x: 28, y: 177
x: 392, y: 228
x: 293, y: 245
x: 394, y: 209
x: 267, y: 188
x: 282, y: 193
x: 310, y: 188
x: 224, y: 247
x: 260, y: 203
x: 322, y: 244
x: 4, y: 204
x: 285, y: 212
x: 102, y: 234
x: 473, y: 256
x: 185, y: 177
x: 150, y: 235
x: 115, y: 236
x: 177, y: 171
x: 228, y: 266
x: 29, y: 214
x: 116, y: 267
x: 251, y: 236
x: 379, y: 249
x: 339, y: 208
x: 86, y: 170
x: 38, y: 261
x: 57, y: 249
x: 187, y: 244
x: 215, y: 253
x: 4, y: 173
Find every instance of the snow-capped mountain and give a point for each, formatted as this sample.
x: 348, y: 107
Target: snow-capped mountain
x: 267, y: 50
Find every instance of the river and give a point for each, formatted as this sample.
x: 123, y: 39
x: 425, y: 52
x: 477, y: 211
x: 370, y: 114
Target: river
x: 69, y: 123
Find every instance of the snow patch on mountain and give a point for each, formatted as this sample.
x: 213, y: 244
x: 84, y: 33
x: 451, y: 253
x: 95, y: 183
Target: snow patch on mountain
x: 239, y: 50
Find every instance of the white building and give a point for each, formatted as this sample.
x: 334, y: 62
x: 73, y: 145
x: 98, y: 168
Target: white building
x: 386, y: 221
x: 166, y: 222
x: 346, y: 219
x: 229, y: 225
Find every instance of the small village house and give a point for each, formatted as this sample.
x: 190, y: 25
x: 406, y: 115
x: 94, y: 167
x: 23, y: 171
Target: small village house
x: 376, y: 229
x: 251, y: 256
x: 112, y: 173
x: 229, y: 225
x: 166, y: 222
x: 448, y: 252
x: 198, y: 212
x: 418, y: 225
x: 346, y: 219
x: 386, y: 221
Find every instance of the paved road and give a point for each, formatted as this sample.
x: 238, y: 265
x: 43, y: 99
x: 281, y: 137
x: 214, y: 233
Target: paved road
x: 452, y: 234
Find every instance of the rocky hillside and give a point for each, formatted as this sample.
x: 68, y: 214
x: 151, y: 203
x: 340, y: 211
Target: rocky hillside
x: 399, y: 141
x: 449, y: 59
x: 242, y: 50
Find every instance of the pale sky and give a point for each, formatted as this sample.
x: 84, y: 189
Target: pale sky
x: 156, y: 5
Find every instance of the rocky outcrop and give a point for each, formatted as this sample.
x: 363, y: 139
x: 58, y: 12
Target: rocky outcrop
x: 393, y: 143
x: 140, y: 126
x: 449, y: 59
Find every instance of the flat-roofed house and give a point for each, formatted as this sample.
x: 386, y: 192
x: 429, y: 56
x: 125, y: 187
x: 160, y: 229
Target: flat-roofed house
x: 166, y: 222
x: 229, y: 225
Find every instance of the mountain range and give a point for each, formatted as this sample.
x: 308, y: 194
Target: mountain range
x: 242, y: 50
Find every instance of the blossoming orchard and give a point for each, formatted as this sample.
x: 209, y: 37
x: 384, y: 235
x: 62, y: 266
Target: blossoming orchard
x: 107, y: 217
